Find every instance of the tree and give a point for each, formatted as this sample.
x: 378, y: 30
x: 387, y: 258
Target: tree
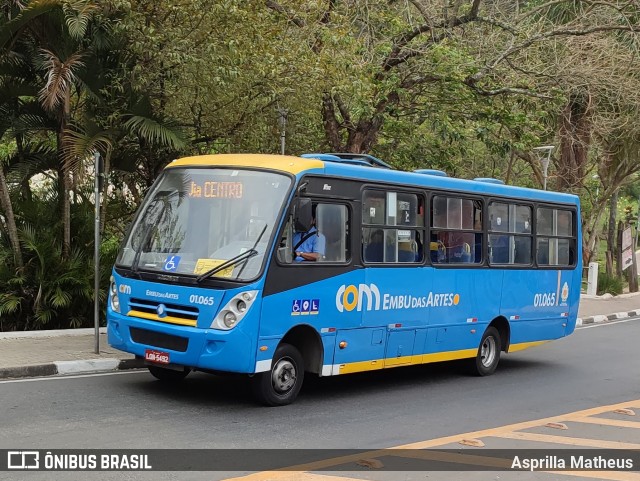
x: 12, y: 24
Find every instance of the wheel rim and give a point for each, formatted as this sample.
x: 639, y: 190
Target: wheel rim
x: 488, y: 351
x: 283, y: 375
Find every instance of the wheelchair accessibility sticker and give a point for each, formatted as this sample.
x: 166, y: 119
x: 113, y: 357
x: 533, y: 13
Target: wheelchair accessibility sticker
x: 305, y: 307
x: 171, y: 264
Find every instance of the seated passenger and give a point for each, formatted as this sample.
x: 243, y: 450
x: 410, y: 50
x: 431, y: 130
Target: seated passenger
x: 460, y: 253
x: 374, y: 250
x: 499, y: 245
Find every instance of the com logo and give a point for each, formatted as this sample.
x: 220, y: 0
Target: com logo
x: 351, y: 297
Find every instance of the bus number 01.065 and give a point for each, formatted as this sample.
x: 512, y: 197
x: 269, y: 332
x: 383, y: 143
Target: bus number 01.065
x: 544, y: 300
x: 207, y: 301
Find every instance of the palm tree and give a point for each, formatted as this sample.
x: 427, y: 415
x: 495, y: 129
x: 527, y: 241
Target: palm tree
x: 13, y: 23
x: 61, y: 77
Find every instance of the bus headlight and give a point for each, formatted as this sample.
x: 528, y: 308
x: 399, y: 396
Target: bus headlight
x: 230, y: 319
x: 233, y: 312
x: 113, y: 291
x: 241, y: 306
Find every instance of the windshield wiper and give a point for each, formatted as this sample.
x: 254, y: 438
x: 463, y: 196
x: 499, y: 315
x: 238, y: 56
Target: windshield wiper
x: 229, y: 263
x: 244, y: 256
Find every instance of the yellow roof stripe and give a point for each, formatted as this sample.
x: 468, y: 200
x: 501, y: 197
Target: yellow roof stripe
x: 284, y: 163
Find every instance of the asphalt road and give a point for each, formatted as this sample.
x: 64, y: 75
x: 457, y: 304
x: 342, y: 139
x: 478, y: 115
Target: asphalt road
x: 595, y: 366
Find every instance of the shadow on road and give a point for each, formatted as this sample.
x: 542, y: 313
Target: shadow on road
x: 202, y: 389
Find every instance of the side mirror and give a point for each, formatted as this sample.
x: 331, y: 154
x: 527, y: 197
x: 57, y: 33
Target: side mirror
x: 302, y: 215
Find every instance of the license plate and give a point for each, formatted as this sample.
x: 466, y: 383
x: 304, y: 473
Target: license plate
x: 159, y: 357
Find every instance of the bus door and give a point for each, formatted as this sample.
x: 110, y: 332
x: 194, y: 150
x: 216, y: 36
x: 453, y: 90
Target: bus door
x: 393, y: 252
x: 358, y: 347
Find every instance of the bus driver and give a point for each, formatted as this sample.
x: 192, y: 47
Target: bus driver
x: 310, y: 245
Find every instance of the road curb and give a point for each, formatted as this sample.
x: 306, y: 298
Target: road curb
x: 606, y: 317
x: 83, y: 366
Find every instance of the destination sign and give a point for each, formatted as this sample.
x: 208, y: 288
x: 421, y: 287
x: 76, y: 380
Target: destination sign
x: 213, y: 189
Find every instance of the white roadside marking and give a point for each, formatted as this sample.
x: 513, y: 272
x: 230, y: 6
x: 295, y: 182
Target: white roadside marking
x: 602, y: 324
x: 54, y: 378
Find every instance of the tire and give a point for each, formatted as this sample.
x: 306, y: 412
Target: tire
x: 280, y: 385
x: 486, y: 361
x: 168, y: 375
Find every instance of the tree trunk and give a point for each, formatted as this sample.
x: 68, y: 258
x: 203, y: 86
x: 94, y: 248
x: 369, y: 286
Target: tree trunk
x: 575, y: 138
x: 66, y: 213
x: 66, y: 180
x: 362, y: 135
x: 591, y: 233
x: 10, y: 220
x: 611, y: 229
x: 619, y: 250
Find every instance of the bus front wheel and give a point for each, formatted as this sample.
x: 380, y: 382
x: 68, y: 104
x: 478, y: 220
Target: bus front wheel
x: 168, y: 375
x: 486, y: 361
x: 280, y: 385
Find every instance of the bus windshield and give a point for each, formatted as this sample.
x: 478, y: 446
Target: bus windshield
x: 195, y: 220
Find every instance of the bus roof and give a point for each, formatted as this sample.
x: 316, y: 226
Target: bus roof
x: 298, y: 165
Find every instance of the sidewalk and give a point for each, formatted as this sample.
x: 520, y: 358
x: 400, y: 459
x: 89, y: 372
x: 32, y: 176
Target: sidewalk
x: 68, y: 351
x: 604, y: 308
x: 72, y: 351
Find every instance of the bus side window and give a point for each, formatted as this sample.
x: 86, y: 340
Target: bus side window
x: 332, y: 222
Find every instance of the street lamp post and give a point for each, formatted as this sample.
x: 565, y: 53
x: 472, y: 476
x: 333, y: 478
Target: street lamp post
x: 544, y: 160
x: 98, y: 183
x: 282, y: 113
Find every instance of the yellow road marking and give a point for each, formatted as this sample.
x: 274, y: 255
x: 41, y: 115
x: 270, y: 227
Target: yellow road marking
x: 456, y: 458
x: 613, y: 475
x: 547, y: 438
x: 293, y: 476
x: 285, y: 475
x: 610, y: 422
x: 281, y: 475
x: 517, y: 426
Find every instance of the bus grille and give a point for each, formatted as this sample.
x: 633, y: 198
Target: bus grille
x: 172, y: 313
x: 159, y: 339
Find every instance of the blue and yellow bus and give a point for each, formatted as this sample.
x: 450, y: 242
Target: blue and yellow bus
x: 329, y: 264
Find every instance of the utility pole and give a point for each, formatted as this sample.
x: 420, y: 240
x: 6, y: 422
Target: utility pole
x: 99, y: 168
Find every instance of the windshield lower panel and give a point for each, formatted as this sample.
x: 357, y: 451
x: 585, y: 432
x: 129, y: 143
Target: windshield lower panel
x: 197, y: 219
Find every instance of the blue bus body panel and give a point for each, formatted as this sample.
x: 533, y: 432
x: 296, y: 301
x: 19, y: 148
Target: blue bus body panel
x: 398, y: 316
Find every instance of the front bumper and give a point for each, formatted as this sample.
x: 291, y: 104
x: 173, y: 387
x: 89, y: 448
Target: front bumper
x: 230, y: 351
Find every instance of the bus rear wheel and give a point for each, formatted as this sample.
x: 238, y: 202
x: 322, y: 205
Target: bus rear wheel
x: 486, y: 361
x: 168, y: 375
x: 280, y: 385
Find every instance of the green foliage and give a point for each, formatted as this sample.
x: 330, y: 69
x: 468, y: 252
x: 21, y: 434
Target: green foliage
x: 51, y: 291
x: 609, y: 284
x: 419, y: 84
